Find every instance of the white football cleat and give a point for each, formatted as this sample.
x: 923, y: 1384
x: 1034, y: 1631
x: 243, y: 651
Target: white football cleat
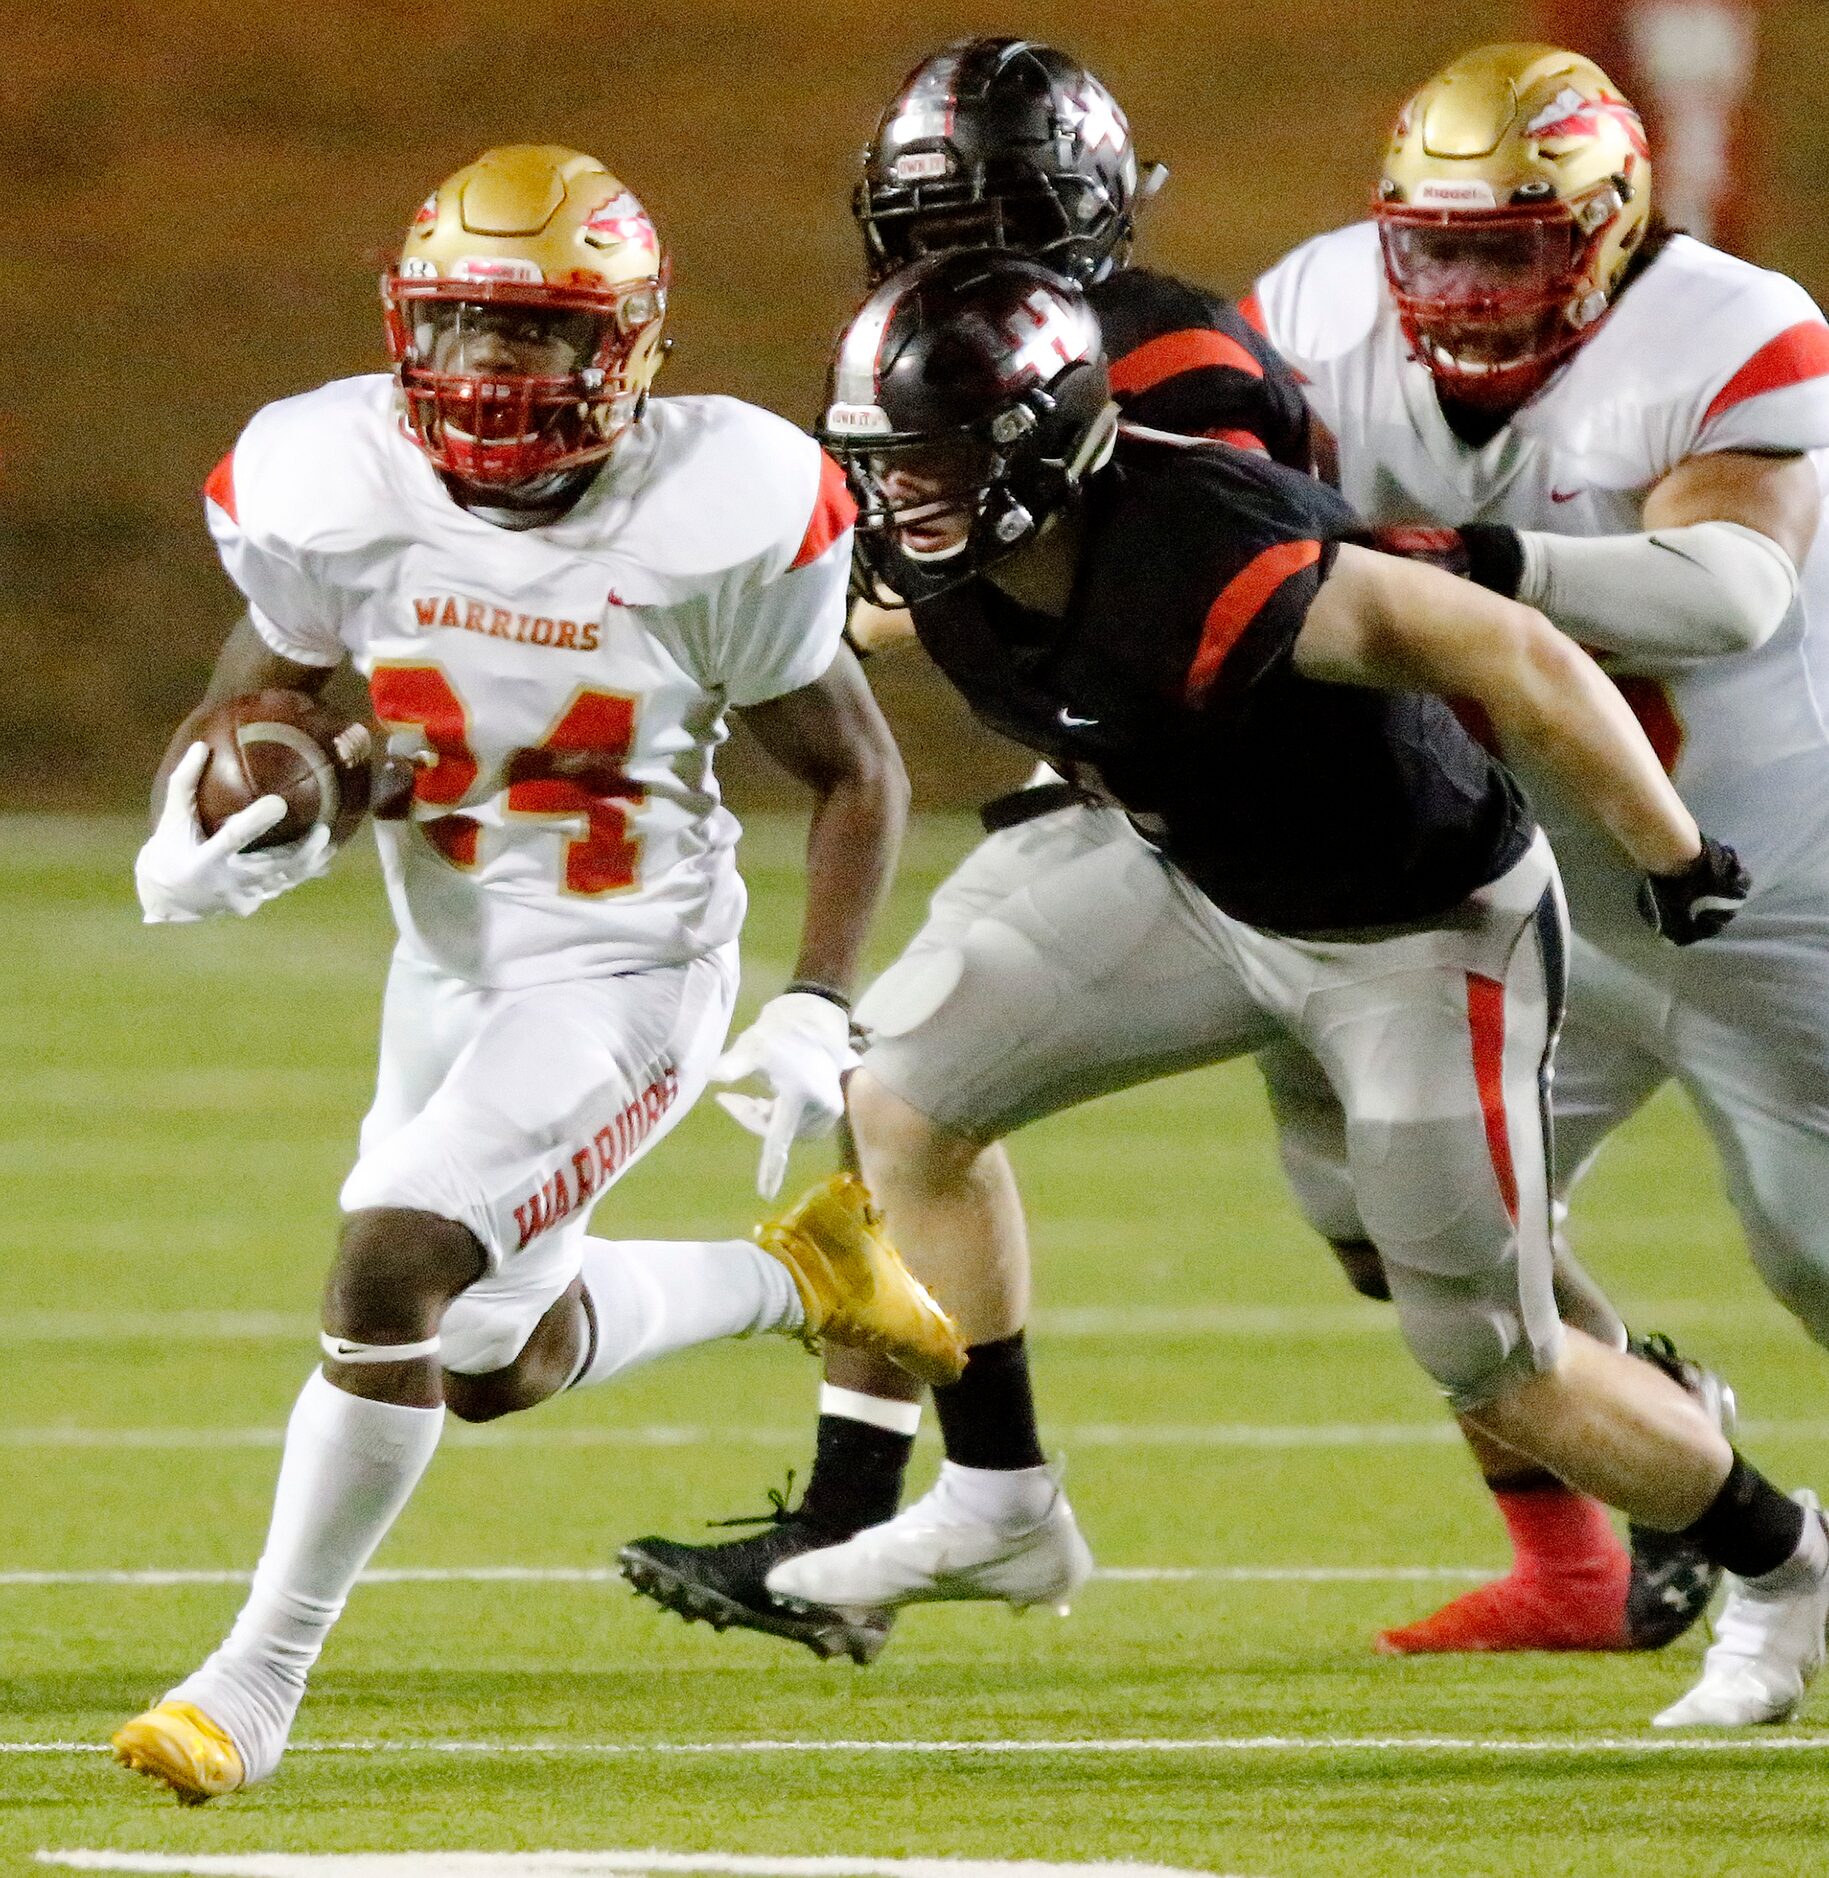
x: 1766, y: 1652
x: 941, y: 1549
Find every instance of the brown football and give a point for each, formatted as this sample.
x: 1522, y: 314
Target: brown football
x: 282, y: 743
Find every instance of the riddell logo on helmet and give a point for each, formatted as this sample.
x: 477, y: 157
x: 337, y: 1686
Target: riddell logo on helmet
x: 1471, y: 193
x: 498, y: 267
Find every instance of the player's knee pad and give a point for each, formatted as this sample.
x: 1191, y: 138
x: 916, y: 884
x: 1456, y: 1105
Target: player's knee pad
x: 1473, y: 1342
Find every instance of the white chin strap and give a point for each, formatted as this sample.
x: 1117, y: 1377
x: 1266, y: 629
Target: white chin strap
x: 1695, y: 592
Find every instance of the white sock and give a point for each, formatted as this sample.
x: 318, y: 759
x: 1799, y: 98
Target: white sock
x: 349, y: 1466
x: 852, y: 1405
x: 654, y: 1296
x: 1013, y: 1497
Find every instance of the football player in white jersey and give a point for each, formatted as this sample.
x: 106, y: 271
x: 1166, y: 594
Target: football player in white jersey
x: 1615, y: 423
x: 556, y: 590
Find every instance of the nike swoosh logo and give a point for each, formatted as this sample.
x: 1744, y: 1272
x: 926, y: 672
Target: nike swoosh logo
x: 1564, y: 495
x: 1068, y: 721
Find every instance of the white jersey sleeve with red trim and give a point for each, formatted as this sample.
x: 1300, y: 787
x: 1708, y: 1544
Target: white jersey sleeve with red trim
x: 777, y: 556
x: 1763, y: 347
x: 785, y: 624
x: 1318, y: 305
x: 289, y: 470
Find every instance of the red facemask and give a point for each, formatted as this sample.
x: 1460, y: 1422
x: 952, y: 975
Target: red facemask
x: 509, y: 382
x: 1492, y: 300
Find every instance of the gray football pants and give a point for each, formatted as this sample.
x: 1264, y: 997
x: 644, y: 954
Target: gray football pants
x: 1109, y: 969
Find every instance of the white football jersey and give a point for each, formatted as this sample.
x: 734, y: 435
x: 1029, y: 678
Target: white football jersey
x: 1702, y: 353
x: 565, y: 686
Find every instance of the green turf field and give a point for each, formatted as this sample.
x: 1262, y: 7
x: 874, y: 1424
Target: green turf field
x: 180, y: 1106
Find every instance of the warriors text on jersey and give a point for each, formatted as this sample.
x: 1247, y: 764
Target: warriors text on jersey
x: 1295, y: 806
x: 1700, y: 353
x: 565, y: 686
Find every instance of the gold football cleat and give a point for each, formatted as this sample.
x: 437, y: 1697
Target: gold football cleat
x: 181, y: 1746
x: 854, y: 1286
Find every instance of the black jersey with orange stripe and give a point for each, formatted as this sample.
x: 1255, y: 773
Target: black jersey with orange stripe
x: 1296, y: 806
x: 1182, y: 359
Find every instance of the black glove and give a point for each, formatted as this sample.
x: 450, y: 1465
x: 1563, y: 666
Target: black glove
x: 1699, y: 901
x: 1482, y: 552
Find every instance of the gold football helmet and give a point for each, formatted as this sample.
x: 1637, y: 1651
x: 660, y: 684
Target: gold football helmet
x: 524, y: 315
x: 1515, y: 189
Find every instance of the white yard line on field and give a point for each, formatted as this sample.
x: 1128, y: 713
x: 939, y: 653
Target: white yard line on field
x: 1297, y: 1322
x: 1070, y: 1435
x: 158, y: 1576
x: 1750, y: 1742
x: 588, y: 1864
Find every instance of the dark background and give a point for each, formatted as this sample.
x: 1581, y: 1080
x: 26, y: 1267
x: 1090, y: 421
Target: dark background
x: 196, y: 197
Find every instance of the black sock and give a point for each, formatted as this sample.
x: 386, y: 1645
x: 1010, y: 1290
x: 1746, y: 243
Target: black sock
x: 987, y: 1417
x: 1750, y: 1528
x: 857, y: 1475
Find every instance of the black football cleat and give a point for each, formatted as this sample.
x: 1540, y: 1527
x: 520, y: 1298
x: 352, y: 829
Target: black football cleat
x: 724, y: 1585
x: 1672, y: 1582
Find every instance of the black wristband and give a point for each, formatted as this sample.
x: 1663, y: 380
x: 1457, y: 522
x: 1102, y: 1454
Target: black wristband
x: 814, y: 989
x: 1495, y: 557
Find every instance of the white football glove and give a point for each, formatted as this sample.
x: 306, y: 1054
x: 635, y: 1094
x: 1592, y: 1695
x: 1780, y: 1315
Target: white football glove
x: 181, y: 875
x: 800, y: 1046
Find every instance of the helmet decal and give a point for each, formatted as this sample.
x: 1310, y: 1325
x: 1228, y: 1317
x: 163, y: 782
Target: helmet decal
x: 1043, y: 338
x: 1569, y: 114
x: 621, y: 219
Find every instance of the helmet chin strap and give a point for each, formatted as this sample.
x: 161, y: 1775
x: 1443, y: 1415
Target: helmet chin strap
x: 1095, y: 447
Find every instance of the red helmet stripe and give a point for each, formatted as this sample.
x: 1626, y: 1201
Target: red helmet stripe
x: 1800, y: 352
x: 1173, y: 353
x: 220, y: 489
x: 833, y: 513
x: 1239, y: 603
x: 1251, y: 311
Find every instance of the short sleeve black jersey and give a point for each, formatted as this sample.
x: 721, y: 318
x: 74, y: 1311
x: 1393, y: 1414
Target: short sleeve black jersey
x: 1182, y: 359
x: 1297, y: 806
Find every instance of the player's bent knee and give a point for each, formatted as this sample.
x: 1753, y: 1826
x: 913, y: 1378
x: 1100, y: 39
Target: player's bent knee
x: 549, y: 1360
x: 1363, y: 1267
x: 396, y: 1269
x: 1471, y: 1339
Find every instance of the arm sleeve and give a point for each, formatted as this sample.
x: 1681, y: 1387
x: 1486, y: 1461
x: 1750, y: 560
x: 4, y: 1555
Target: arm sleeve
x: 285, y: 604
x: 786, y: 629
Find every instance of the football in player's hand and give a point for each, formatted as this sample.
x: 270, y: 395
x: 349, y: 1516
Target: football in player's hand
x: 283, y: 743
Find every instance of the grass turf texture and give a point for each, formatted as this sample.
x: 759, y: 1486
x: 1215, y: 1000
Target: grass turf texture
x: 180, y: 1108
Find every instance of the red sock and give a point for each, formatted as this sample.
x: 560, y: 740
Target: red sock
x: 1557, y: 1532
x: 1566, y: 1589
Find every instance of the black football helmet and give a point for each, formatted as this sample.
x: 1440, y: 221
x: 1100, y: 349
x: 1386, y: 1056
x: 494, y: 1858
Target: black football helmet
x: 969, y: 399
x: 1001, y: 143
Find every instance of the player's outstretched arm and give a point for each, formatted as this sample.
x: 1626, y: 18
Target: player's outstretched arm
x: 831, y: 736
x: 1403, y: 626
